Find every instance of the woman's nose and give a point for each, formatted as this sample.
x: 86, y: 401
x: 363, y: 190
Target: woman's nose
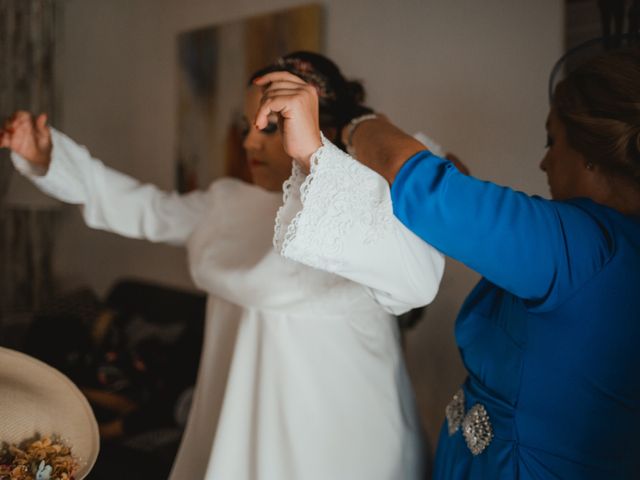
x: 543, y: 164
x: 252, y: 140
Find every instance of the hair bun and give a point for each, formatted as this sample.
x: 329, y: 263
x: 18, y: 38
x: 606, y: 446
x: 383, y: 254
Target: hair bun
x: 355, y: 92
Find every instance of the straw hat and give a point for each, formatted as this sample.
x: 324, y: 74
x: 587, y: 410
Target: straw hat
x: 36, y: 398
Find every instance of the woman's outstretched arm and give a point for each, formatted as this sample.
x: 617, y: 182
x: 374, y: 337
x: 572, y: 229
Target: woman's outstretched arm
x: 111, y: 200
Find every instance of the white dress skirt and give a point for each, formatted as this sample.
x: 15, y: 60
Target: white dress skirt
x: 301, y: 375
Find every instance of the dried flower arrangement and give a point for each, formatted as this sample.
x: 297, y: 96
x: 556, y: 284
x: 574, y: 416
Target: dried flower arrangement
x: 37, y: 458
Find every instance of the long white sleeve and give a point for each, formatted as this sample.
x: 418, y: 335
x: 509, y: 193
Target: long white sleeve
x: 114, y: 201
x: 339, y: 218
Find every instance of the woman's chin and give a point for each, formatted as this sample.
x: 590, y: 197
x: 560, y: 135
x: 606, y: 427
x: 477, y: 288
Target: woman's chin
x: 267, y: 181
x: 266, y: 184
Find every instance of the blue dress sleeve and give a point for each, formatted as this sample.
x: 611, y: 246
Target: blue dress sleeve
x: 539, y: 250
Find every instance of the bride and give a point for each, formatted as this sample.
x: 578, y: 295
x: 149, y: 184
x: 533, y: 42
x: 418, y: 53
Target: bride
x: 301, y: 375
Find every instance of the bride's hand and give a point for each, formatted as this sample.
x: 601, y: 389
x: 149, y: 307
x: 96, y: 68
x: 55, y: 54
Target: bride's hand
x: 296, y: 104
x: 29, y: 137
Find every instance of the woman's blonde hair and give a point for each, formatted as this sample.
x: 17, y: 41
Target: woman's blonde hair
x: 599, y: 103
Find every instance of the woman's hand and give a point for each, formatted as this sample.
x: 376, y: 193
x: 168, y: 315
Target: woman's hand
x: 381, y: 146
x: 29, y: 137
x: 296, y: 103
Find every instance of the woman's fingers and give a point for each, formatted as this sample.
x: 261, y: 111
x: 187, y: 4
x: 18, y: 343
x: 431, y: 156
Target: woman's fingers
x: 278, y: 104
x: 278, y: 77
x: 28, y: 136
x: 43, y: 132
x: 284, y: 101
x: 296, y: 104
x: 21, y: 127
x: 289, y: 94
x: 280, y: 85
x: 41, y: 123
x: 18, y: 124
x: 273, y: 82
x: 7, y: 133
x: 19, y: 119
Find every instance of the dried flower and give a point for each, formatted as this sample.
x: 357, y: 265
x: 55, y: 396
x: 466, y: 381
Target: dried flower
x: 37, y: 458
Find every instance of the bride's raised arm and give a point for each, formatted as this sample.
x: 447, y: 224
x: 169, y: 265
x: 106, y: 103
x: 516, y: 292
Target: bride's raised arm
x: 339, y: 216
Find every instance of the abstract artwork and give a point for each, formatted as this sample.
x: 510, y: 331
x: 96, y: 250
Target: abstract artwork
x: 213, y: 68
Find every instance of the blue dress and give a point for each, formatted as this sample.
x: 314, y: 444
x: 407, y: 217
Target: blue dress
x: 550, y: 336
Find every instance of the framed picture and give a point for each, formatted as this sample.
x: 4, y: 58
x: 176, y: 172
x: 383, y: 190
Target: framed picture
x: 214, y: 65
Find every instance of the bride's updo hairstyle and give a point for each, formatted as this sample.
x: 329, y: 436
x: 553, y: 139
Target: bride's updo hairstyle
x: 340, y: 99
x: 599, y: 103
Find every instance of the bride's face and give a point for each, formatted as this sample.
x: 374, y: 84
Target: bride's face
x: 269, y: 164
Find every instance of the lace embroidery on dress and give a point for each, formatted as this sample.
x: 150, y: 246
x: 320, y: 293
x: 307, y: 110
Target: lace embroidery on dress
x: 339, y: 197
x: 290, y: 187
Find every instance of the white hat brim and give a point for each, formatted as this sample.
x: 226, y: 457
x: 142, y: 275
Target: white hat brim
x: 38, y: 399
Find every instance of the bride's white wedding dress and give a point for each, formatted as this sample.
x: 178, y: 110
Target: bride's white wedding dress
x: 301, y: 375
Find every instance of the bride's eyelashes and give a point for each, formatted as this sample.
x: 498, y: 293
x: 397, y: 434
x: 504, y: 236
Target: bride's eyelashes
x: 270, y: 129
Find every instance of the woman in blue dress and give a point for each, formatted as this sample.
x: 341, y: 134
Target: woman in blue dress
x: 550, y: 335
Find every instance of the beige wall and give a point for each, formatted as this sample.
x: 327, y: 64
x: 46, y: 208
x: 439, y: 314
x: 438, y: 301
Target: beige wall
x: 471, y: 74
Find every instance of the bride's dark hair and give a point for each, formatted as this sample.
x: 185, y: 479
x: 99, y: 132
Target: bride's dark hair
x: 340, y: 99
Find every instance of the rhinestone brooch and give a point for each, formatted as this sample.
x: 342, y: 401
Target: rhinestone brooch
x: 476, y: 425
x: 455, y: 412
